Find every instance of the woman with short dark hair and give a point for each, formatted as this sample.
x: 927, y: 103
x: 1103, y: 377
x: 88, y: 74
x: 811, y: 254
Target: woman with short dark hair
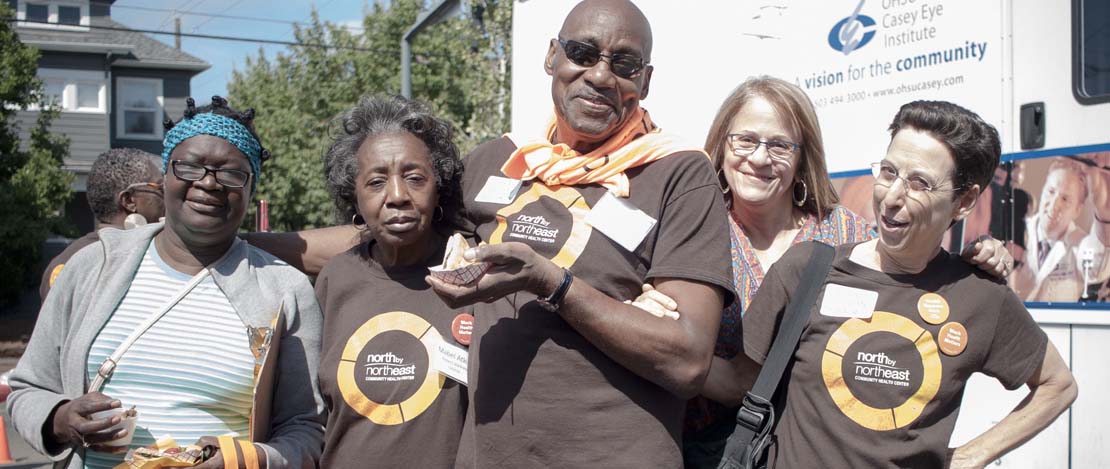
x: 394, y: 173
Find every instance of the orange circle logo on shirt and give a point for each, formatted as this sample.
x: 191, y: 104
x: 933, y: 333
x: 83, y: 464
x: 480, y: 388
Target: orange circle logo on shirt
x: 55, y: 273
x: 430, y: 386
x: 880, y: 419
x: 571, y: 199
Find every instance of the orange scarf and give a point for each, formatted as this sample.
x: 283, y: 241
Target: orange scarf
x: 638, y: 142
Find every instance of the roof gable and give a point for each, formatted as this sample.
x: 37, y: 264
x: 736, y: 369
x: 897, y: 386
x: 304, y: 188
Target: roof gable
x: 104, y: 36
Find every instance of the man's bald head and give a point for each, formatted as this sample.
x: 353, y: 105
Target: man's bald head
x: 622, y: 14
x: 592, y: 101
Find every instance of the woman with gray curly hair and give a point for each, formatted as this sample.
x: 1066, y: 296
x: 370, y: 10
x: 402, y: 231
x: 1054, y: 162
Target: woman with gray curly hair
x: 394, y: 172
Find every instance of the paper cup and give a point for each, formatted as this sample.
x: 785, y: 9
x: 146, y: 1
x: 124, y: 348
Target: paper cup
x: 125, y: 423
x: 460, y: 276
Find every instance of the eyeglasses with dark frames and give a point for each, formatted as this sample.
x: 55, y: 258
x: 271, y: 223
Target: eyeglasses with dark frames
x: 627, y: 66
x: 886, y: 174
x: 744, y: 145
x: 192, y: 172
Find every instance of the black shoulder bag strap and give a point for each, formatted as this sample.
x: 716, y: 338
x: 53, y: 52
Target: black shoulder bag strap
x: 756, y: 417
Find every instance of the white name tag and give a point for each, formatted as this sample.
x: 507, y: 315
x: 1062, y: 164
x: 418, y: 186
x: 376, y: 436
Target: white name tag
x: 621, y: 221
x: 498, y: 190
x: 847, y: 302
x: 452, y: 361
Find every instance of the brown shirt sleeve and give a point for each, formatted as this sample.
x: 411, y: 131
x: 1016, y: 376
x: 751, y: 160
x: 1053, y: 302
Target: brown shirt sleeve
x: 49, y: 275
x: 693, y: 239
x: 761, y: 321
x: 1018, y: 345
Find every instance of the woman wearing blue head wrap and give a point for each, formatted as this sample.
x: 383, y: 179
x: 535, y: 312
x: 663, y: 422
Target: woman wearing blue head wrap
x: 181, y: 321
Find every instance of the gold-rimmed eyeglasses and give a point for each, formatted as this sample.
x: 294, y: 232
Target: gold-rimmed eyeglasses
x: 745, y: 144
x: 148, y: 187
x: 886, y: 174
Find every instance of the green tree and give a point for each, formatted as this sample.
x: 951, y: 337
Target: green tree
x: 32, y: 184
x: 460, y: 66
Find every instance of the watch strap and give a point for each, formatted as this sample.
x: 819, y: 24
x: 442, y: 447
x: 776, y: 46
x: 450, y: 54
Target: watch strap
x: 555, y: 299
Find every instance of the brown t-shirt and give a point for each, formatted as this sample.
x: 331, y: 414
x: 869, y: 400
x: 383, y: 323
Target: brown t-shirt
x: 58, y: 262
x: 885, y: 391
x: 542, y: 395
x: 387, y: 407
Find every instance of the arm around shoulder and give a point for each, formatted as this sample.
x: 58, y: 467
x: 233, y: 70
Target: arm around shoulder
x: 307, y: 250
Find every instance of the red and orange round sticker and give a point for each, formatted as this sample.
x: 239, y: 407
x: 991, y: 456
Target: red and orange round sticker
x: 462, y: 328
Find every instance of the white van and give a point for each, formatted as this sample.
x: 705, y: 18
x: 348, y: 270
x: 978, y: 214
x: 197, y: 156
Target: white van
x: 1039, y: 70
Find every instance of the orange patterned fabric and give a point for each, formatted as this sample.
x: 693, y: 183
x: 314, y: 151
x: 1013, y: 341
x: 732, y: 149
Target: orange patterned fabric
x: 638, y: 142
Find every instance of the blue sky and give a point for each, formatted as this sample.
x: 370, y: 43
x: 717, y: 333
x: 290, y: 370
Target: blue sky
x: 225, y: 56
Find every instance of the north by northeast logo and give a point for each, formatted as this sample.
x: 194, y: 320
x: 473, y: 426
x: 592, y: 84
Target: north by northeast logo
x: 388, y: 367
x: 533, y: 228
x: 881, y: 369
x: 550, y: 219
x: 882, y: 372
x: 852, y: 32
x: 385, y: 372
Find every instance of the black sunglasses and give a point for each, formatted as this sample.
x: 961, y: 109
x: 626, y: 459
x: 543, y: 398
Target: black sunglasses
x: 192, y: 172
x: 626, y: 66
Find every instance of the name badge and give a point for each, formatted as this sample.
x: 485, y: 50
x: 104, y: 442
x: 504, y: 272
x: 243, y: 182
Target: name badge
x: 452, y: 361
x: 621, y: 221
x: 498, y: 190
x: 847, y: 302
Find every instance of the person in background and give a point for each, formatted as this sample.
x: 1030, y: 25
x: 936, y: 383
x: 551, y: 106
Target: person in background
x: 1093, y: 250
x: 191, y: 375
x: 122, y: 182
x: 1061, y: 257
x: 394, y: 171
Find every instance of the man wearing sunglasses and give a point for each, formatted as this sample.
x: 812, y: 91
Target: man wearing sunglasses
x: 121, y: 182
x: 575, y: 219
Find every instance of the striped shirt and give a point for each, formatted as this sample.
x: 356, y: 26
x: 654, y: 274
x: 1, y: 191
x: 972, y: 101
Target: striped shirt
x: 190, y: 375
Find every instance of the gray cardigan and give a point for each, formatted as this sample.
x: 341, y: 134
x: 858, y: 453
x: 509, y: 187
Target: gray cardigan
x: 84, y: 297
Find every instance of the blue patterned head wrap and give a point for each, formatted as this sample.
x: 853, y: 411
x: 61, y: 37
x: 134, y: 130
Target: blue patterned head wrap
x: 219, y: 126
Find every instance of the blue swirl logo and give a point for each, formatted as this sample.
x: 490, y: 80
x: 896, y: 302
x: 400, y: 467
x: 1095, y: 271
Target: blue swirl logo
x: 852, y: 32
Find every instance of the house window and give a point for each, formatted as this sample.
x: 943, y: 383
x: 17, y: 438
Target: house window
x: 38, y: 12
x: 74, y: 90
x: 53, y: 90
x: 54, y: 14
x: 1091, y: 51
x: 70, y: 15
x: 139, y: 108
x: 88, y: 95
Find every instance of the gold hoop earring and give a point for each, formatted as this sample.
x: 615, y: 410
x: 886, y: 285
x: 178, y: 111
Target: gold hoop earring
x: 805, y: 193
x: 358, y: 221
x: 721, y: 180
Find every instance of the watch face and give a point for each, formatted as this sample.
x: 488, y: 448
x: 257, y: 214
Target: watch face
x: 547, y: 305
